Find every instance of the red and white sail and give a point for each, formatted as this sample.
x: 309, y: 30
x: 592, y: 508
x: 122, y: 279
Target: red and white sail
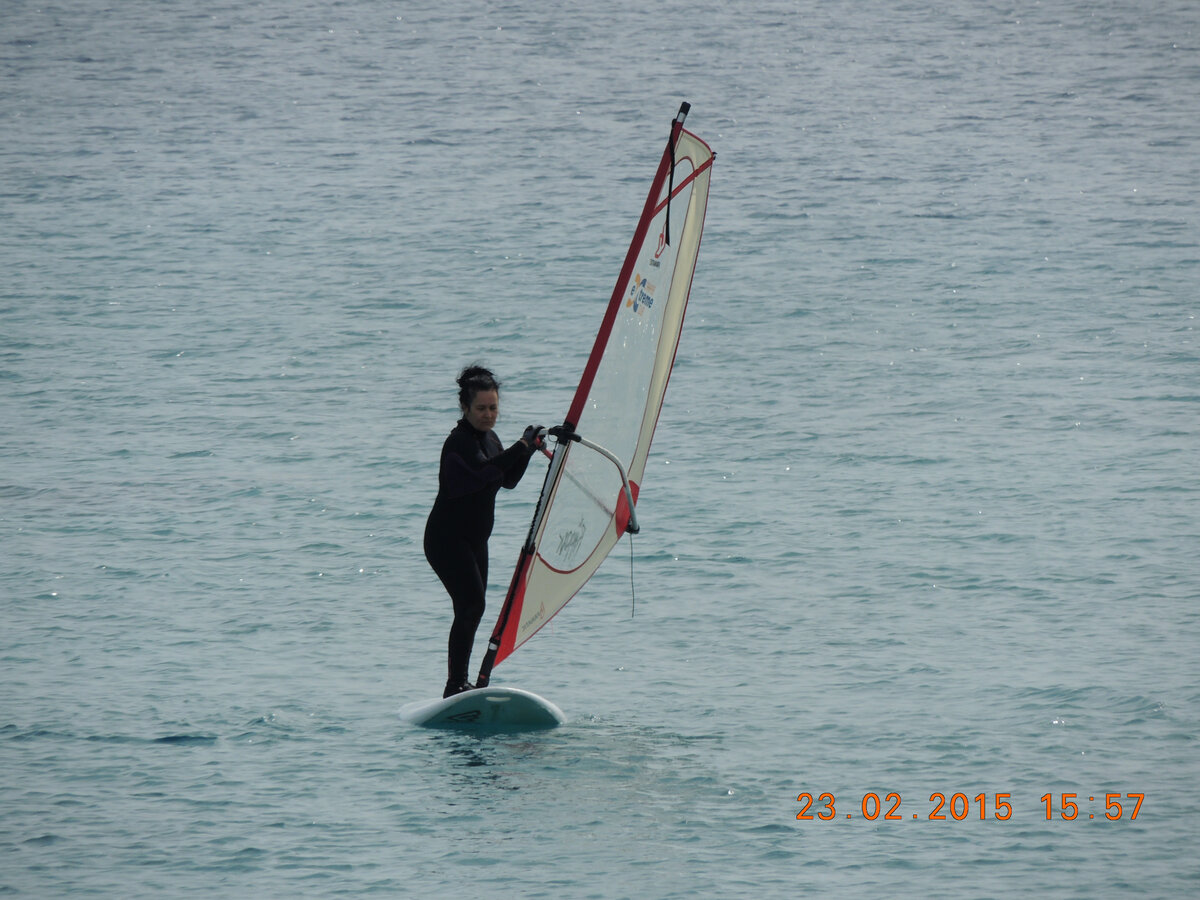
x: 602, y: 446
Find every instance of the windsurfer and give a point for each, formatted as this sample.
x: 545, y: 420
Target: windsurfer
x: 474, y: 466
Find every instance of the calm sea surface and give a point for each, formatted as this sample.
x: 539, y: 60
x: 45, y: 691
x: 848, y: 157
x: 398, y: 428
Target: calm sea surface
x: 922, y: 515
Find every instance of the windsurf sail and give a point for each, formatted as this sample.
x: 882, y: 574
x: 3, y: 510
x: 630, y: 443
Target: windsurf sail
x: 589, y: 497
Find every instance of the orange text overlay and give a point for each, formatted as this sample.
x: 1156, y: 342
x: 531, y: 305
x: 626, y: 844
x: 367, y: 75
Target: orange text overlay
x: 955, y: 807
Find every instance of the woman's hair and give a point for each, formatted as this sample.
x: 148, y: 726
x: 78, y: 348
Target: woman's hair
x: 471, y: 381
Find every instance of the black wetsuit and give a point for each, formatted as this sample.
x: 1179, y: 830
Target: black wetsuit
x: 474, y: 467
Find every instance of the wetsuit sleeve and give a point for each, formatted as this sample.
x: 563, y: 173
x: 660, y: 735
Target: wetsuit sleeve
x: 513, y: 474
x: 466, y: 469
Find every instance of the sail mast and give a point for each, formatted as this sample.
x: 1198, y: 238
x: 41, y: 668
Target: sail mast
x: 528, y: 549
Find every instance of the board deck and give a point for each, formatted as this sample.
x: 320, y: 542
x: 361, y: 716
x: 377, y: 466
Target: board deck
x: 486, y: 709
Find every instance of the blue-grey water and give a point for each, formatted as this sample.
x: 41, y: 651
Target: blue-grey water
x: 922, y: 514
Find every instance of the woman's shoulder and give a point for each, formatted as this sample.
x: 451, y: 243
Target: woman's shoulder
x: 456, y: 437
x: 467, y: 441
x: 462, y: 429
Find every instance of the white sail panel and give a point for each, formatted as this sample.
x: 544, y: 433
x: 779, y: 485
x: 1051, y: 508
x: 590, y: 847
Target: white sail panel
x: 583, y: 511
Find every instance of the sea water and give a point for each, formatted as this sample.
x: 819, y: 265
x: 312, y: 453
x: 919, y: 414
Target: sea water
x: 914, y: 606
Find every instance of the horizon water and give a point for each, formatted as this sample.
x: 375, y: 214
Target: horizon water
x: 920, y: 517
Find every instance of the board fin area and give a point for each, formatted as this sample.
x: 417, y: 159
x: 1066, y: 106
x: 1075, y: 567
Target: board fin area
x: 486, y: 709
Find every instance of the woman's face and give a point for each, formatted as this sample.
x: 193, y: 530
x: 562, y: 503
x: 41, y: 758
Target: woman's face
x: 483, y: 411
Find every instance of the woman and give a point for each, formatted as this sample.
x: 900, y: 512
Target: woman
x: 473, y: 468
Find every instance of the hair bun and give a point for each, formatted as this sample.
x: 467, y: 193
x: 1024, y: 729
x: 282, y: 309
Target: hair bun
x: 472, y: 374
x: 472, y: 380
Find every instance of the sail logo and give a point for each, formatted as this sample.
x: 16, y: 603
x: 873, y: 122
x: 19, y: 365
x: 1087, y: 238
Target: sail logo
x: 570, y: 540
x: 656, y: 263
x: 641, y: 294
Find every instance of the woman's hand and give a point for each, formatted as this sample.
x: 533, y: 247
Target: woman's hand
x: 532, y: 437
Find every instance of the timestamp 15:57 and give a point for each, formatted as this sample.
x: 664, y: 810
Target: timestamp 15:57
x: 1068, y: 806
